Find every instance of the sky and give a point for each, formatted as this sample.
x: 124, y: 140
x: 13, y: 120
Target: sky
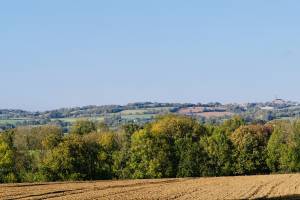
x: 68, y: 53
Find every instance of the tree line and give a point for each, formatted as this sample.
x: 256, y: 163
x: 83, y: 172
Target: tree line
x: 170, y: 146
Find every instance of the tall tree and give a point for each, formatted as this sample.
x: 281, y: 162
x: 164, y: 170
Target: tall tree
x: 7, y: 161
x: 250, y: 149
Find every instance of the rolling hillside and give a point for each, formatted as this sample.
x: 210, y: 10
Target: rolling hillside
x: 140, y: 113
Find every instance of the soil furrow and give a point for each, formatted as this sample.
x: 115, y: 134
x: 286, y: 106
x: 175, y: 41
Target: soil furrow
x: 272, y: 187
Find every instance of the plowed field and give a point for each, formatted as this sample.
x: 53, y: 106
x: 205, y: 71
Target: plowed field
x: 247, y: 187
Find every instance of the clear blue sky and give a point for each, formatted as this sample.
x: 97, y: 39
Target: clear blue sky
x: 68, y: 53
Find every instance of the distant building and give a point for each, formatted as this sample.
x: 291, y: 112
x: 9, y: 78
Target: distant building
x: 279, y: 101
x: 267, y: 108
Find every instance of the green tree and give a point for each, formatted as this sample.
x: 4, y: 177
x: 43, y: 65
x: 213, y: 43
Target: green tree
x: 130, y: 128
x: 250, y: 151
x: 31, y: 144
x: 167, y: 147
x: 83, y: 126
x: 121, y: 157
x: 52, y: 138
x: 190, y: 157
x: 6, y: 162
x: 218, y: 150
x: 232, y: 124
x: 291, y: 157
x: 72, y: 159
x: 102, y: 127
x: 32, y: 138
x: 150, y: 155
x: 183, y: 135
x: 284, y: 147
x: 108, y: 146
x: 277, y: 146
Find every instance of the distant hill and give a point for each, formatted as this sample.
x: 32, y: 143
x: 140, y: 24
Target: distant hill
x: 142, y: 112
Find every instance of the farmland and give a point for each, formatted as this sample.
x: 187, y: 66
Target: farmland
x: 286, y: 186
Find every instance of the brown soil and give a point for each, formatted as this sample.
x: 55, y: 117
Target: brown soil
x: 191, y: 110
x: 247, y: 187
x: 215, y: 114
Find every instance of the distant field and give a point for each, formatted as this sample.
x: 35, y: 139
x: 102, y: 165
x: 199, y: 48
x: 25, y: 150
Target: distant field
x: 141, y: 116
x: 215, y: 114
x: 143, y: 111
x: 190, y: 110
x: 129, y: 117
x: 200, y: 111
x: 245, y: 187
x: 13, y: 121
x: 71, y: 120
